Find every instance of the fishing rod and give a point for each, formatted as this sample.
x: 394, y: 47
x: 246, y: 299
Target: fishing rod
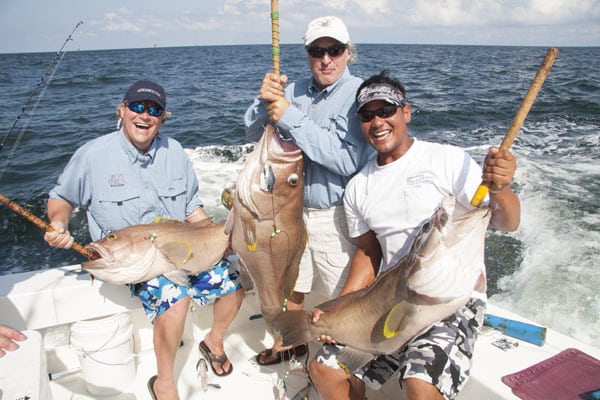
x: 43, y: 225
x: 513, y: 130
x: 275, y: 35
x: 37, y: 93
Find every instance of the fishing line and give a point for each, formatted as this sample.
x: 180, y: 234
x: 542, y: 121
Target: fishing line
x: 36, y: 94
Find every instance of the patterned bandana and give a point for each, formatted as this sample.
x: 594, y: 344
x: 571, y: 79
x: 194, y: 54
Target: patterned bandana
x: 379, y: 91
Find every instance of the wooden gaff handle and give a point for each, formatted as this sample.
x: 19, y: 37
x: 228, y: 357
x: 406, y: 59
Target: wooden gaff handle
x: 517, y: 122
x: 41, y: 224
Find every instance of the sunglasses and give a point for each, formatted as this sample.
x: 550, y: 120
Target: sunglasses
x: 382, y: 112
x: 319, y: 52
x: 138, y: 108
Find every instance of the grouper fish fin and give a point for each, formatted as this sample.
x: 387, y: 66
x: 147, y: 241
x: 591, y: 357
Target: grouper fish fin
x: 351, y: 359
x: 178, y: 252
x: 249, y: 230
x: 178, y: 276
x: 396, y: 320
x: 229, y: 221
x: 294, y: 327
x: 245, y: 278
x: 165, y: 220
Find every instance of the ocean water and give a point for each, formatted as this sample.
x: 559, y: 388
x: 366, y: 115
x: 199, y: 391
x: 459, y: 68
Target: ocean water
x: 463, y: 95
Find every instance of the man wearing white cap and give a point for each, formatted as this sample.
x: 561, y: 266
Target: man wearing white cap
x: 318, y: 114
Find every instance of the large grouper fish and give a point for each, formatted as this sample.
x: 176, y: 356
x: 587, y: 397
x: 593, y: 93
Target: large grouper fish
x: 167, y: 247
x: 431, y: 282
x: 267, y: 228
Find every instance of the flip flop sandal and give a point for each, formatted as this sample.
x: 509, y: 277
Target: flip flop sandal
x: 270, y: 357
x: 151, y: 386
x: 214, y: 359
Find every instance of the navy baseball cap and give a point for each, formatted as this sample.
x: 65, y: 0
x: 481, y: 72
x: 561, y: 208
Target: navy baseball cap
x: 147, y: 90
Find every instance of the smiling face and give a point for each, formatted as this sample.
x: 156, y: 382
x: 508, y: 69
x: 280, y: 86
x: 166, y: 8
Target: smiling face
x: 140, y: 129
x: 389, y: 136
x: 327, y: 70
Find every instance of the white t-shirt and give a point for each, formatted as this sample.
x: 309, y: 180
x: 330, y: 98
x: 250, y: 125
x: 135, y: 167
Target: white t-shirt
x: 394, y: 199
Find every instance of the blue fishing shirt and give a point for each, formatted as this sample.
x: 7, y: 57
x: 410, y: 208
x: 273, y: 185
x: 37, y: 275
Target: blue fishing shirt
x: 119, y: 186
x: 325, y: 126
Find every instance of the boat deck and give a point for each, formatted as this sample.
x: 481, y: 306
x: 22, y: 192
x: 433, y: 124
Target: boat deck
x: 50, y: 301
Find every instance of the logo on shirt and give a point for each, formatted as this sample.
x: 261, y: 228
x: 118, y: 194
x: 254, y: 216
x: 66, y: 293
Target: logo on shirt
x: 116, y: 180
x: 419, y: 179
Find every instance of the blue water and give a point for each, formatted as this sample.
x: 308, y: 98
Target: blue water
x: 464, y: 95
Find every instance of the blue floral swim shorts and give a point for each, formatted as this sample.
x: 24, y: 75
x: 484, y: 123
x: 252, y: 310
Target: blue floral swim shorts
x: 159, y: 293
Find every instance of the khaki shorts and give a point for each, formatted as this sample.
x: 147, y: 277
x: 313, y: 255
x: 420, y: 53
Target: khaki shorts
x: 329, y: 250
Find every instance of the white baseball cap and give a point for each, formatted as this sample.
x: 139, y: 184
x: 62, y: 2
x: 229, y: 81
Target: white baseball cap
x: 332, y: 27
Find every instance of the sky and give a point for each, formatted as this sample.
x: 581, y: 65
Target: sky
x: 43, y: 25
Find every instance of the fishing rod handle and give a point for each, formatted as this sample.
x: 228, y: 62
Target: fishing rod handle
x: 41, y: 224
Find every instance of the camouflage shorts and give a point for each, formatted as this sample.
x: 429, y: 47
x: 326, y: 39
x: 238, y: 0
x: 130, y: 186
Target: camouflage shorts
x: 158, y: 294
x: 441, y: 355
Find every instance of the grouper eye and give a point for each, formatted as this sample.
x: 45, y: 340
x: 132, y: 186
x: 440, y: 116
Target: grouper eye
x: 293, y: 180
x: 112, y: 236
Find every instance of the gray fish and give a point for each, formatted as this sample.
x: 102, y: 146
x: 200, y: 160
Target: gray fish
x: 172, y: 248
x: 266, y: 224
x: 431, y: 282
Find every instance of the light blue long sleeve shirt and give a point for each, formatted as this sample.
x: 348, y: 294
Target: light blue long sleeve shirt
x: 325, y: 126
x: 119, y: 186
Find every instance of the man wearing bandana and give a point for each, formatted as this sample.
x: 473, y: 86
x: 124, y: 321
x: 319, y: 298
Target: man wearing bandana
x: 385, y: 204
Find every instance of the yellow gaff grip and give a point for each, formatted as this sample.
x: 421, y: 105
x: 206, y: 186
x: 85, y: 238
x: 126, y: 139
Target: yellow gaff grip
x: 479, y: 195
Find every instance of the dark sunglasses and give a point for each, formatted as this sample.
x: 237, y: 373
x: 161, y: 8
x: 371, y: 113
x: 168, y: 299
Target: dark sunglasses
x: 138, y: 108
x: 319, y: 52
x: 382, y: 112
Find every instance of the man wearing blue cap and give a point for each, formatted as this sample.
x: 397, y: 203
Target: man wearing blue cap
x: 130, y: 177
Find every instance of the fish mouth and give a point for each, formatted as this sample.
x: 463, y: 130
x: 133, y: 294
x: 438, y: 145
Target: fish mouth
x: 283, y: 149
x: 99, y: 252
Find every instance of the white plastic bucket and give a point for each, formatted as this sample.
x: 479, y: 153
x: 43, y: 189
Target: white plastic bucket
x: 105, y: 350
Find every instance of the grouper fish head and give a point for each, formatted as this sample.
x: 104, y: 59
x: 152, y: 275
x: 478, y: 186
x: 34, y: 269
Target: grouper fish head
x: 449, y: 251
x: 266, y: 223
x: 125, y: 256
x: 272, y: 174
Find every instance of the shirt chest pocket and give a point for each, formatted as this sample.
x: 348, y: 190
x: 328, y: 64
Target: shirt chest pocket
x: 173, y: 198
x: 115, y: 209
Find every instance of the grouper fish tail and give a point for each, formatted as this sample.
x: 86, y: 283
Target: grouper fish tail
x: 294, y: 326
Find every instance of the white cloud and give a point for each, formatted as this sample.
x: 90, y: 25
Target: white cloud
x: 546, y: 12
x: 514, y: 22
x: 452, y: 13
x: 123, y: 20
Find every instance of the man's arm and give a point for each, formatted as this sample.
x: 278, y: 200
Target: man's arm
x: 363, y: 270
x: 197, y: 215
x: 365, y: 263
